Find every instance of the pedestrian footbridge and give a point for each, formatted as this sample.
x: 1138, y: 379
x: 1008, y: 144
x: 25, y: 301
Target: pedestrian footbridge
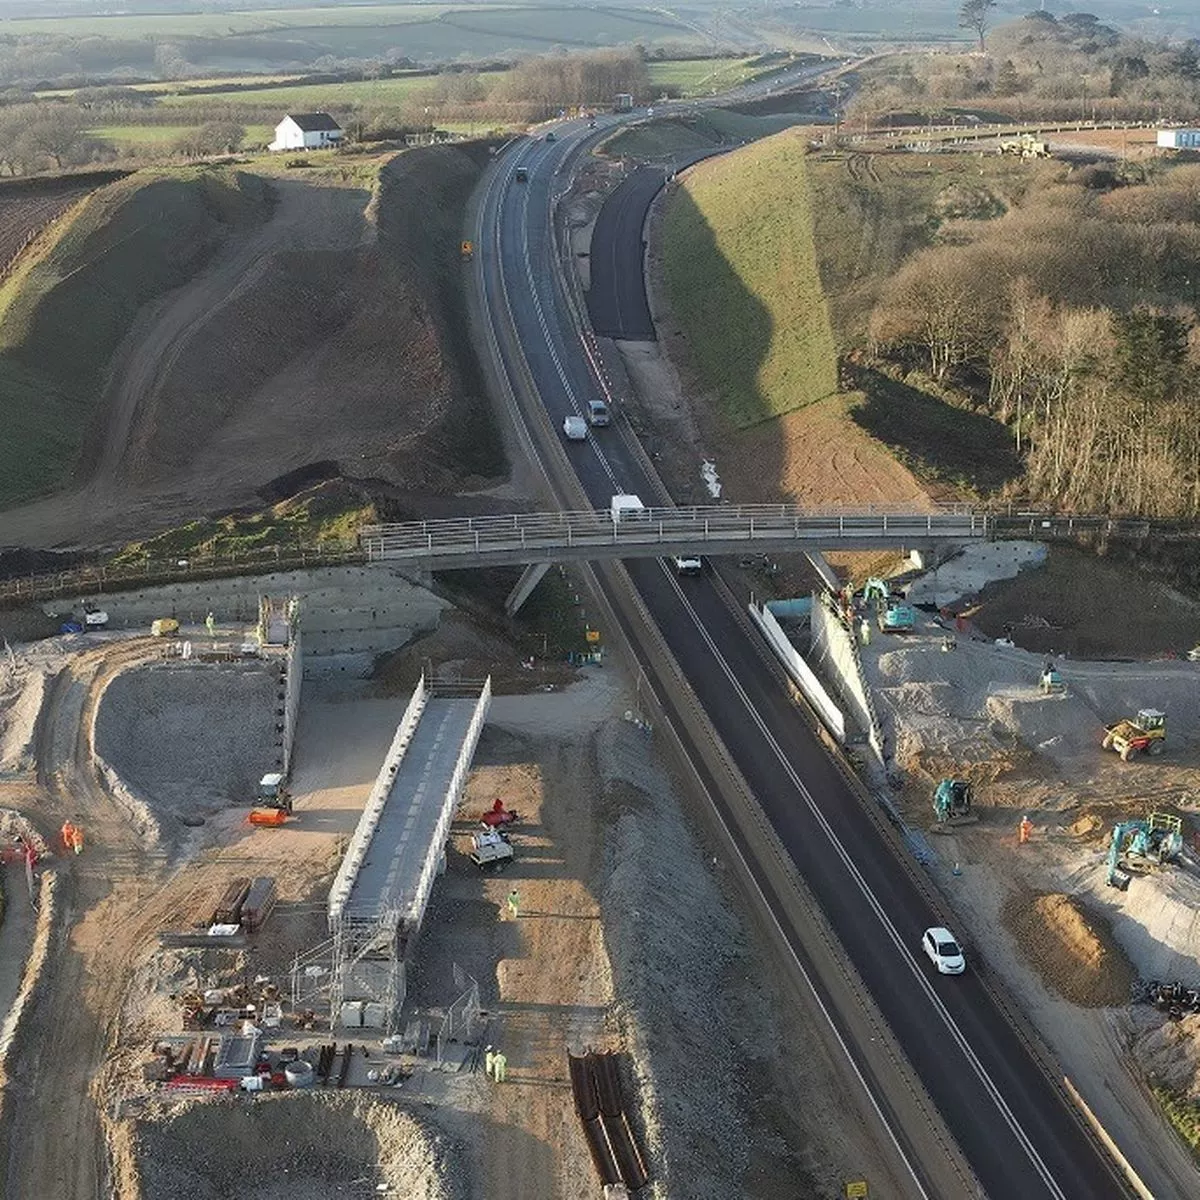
x: 516, y: 538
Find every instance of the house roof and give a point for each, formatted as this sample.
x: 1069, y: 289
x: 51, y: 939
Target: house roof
x: 314, y: 122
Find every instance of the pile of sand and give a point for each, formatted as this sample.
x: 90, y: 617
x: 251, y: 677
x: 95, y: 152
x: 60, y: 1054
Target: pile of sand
x: 1072, y: 950
x: 1169, y: 1054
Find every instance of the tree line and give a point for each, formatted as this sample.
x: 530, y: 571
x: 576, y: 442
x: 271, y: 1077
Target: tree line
x: 1072, y: 320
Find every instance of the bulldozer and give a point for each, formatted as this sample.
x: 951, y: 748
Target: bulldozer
x: 952, y: 803
x: 1147, y: 731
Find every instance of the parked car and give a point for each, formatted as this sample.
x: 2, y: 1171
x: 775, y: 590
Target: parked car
x: 575, y: 428
x: 943, y: 951
x: 597, y: 413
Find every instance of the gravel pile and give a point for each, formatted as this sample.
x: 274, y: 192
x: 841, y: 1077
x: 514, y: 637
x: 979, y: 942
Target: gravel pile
x: 294, y: 1147
x: 189, y: 739
x: 698, y: 1004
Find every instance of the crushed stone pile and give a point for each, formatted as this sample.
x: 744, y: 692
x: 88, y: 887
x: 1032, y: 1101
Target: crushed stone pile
x: 294, y: 1147
x: 189, y: 739
x: 1073, y: 950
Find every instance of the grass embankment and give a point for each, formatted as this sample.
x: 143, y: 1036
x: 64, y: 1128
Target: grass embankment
x: 66, y: 307
x: 741, y: 272
x: 686, y: 135
x: 1182, y: 1114
x: 328, y: 515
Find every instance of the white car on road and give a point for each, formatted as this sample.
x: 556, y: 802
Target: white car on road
x: 943, y: 951
x: 575, y: 429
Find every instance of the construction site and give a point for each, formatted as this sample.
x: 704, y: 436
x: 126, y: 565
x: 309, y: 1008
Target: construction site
x: 1050, y: 797
x: 388, y: 924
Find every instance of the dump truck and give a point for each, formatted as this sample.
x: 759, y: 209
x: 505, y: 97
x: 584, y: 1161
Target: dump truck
x: 1025, y: 146
x: 1147, y: 731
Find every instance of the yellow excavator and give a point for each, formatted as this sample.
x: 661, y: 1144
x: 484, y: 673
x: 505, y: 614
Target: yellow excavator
x: 1147, y: 731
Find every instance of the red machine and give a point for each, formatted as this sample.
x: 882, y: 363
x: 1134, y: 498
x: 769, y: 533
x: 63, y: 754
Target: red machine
x: 498, y: 815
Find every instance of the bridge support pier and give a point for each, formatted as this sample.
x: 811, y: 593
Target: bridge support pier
x: 530, y: 578
x: 822, y: 568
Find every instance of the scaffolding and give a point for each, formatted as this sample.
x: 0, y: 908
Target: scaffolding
x: 381, y: 890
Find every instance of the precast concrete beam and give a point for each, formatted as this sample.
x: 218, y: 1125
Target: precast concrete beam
x: 822, y: 568
x: 530, y: 578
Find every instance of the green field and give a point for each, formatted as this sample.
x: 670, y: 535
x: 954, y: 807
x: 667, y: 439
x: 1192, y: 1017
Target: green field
x: 741, y: 272
x: 162, y: 137
x: 319, y: 96
x: 219, y: 25
x: 701, y: 77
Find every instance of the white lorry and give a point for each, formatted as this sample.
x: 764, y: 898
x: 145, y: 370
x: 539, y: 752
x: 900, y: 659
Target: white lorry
x: 628, y: 508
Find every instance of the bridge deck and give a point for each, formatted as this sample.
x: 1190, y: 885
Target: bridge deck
x: 390, y: 876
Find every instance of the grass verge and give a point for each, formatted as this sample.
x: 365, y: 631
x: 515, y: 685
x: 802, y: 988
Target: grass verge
x: 741, y: 273
x: 1182, y: 1114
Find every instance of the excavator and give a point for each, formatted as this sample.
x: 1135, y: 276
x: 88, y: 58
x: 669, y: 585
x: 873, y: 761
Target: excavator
x: 952, y: 803
x: 1147, y: 731
x: 1157, y: 839
x: 892, y: 614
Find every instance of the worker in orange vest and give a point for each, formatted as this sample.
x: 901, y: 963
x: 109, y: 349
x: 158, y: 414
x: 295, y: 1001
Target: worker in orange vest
x: 1026, y: 829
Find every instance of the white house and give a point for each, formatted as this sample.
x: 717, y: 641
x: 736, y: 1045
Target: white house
x: 306, y: 131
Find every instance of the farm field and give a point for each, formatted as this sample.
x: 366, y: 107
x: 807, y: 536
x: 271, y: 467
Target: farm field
x: 319, y: 96
x: 699, y: 77
x: 161, y: 137
x: 23, y: 211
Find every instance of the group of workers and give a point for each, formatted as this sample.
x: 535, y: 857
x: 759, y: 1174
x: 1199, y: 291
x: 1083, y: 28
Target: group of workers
x: 495, y: 1064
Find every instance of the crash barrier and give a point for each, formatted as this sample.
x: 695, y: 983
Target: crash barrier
x: 800, y: 672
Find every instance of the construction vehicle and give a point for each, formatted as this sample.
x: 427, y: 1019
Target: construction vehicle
x: 876, y: 591
x: 490, y: 850
x: 1051, y: 680
x: 952, y: 803
x: 891, y: 612
x: 1025, y: 146
x: 498, y: 816
x: 164, y: 627
x: 273, y: 794
x: 1147, y: 731
x: 1158, y: 840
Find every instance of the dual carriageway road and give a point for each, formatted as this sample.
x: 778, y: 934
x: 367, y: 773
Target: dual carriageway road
x: 1005, y: 1109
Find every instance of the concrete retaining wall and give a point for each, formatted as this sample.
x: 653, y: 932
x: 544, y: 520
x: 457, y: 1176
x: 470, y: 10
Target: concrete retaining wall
x: 810, y: 686
x: 835, y: 652
x: 294, y: 676
x: 351, y: 614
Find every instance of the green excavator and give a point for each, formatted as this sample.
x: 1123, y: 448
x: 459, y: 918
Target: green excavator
x: 952, y: 803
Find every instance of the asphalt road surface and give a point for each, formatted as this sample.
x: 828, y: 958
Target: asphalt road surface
x: 616, y: 299
x: 1012, y: 1124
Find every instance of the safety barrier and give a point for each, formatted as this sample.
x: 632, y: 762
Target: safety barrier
x: 834, y: 646
x: 800, y: 672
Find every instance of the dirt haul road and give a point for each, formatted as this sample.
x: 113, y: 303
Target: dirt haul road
x: 72, y: 1058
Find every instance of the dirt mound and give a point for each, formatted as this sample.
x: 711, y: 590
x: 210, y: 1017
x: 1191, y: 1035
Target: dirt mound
x: 1081, y: 605
x: 1073, y: 950
x: 293, y: 1148
x: 1170, y: 1055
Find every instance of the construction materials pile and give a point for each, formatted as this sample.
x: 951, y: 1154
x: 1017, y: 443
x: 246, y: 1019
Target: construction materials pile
x: 598, y: 1102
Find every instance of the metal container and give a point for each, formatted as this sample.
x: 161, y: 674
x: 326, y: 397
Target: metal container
x: 299, y: 1074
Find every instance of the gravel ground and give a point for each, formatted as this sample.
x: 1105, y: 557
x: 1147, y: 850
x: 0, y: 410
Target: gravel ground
x: 189, y: 740
x: 293, y: 1147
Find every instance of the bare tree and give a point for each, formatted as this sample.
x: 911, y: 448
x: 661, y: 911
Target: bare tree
x: 977, y: 15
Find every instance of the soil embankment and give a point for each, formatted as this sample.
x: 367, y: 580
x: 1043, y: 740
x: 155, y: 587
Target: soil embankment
x: 315, y: 325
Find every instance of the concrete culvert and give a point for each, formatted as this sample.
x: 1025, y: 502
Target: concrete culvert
x: 291, y: 1147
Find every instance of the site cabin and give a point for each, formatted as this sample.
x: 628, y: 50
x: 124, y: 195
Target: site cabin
x: 1179, y: 139
x: 307, y: 131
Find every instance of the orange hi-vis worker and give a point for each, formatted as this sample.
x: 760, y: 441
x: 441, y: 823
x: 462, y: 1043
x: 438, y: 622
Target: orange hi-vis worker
x: 72, y: 837
x: 1026, y: 829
